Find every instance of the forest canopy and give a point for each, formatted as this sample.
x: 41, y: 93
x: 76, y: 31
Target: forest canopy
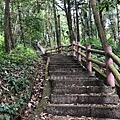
x: 57, y: 22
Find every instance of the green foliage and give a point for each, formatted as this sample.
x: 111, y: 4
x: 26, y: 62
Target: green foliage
x: 95, y: 43
x: 1, y: 43
x: 107, y: 4
x: 16, y: 72
x: 115, y: 46
x: 34, y: 27
x: 10, y: 109
x: 19, y: 55
x: 5, y: 117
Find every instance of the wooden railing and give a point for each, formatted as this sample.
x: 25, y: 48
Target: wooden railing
x: 65, y: 49
x: 107, y: 64
x: 86, y: 54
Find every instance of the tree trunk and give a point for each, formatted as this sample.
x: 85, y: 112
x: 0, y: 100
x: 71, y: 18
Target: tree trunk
x: 101, y: 15
x: 101, y: 32
x: 90, y: 20
x: 118, y: 23
x: 49, y: 23
x: 67, y: 7
x: 59, y: 30
x: 21, y: 27
x: 112, y: 24
x: 11, y: 37
x: 7, y: 26
x: 56, y: 25
x: 11, y: 31
x: 77, y: 22
x: 118, y: 19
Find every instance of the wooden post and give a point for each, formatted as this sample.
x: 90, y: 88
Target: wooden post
x: 67, y: 51
x: 51, y: 50
x: 79, y: 50
x: 88, y: 55
x: 61, y: 50
x: 109, y: 61
x: 74, y: 53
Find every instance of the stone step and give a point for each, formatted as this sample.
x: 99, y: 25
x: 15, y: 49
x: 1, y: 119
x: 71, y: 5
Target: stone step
x: 65, y: 70
x: 65, y: 73
x: 61, y: 59
x: 77, y: 118
x: 81, y: 89
x: 64, y: 66
x: 57, y: 56
x: 64, y: 62
x: 85, y: 99
x: 88, y: 110
x: 72, y: 77
x: 69, y: 83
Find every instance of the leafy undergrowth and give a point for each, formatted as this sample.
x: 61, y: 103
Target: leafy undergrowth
x: 21, y: 78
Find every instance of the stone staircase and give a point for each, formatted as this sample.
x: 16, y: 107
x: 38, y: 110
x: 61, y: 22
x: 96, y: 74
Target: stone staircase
x: 77, y: 93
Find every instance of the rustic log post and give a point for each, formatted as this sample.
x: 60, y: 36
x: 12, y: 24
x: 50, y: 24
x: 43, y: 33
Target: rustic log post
x: 74, y: 52
x: 79, y: 50
x: 88, y: 55
x: 67, y: 51
x: 61, y: 50
x: 109, y: 61
x: 51, y: 50
x: 57, y: 50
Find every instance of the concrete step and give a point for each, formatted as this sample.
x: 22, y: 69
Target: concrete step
x: 70, y: 83
x: 81, y: 89
x: 85, y: 99
x: 69, y: 62
x: 65, y: 70
x: 64, y: 66
x: 77, y: 118
x: 66, y: 73
x: 55, y: 56
x: 63, y: 61
x: 88, y: 110
x: 72, y: 77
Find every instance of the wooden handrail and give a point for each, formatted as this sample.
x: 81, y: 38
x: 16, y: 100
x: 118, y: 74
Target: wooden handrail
x: 115, y: 58
x: 115, y: 72
x: 80, y: 51
x: 59, y: 49
x: 97, y: 51
x: 108, y: 64
x: 82, y: 54
x: 102, y: 64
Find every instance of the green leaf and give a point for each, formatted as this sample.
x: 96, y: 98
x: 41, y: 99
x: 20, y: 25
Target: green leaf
x: 7, y: 117
x: 1, y: 109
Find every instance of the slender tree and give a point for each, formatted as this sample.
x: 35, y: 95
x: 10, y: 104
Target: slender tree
x: 77, y: 21
x: 90, y: 19
x: 21, y: 26
x: 56, y: 25
x: 101, y: 31
x: 67, y: 7
x: 7, y: 26
x: 49, y: 26
x: 59, y: 30
x: 112, y: 24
